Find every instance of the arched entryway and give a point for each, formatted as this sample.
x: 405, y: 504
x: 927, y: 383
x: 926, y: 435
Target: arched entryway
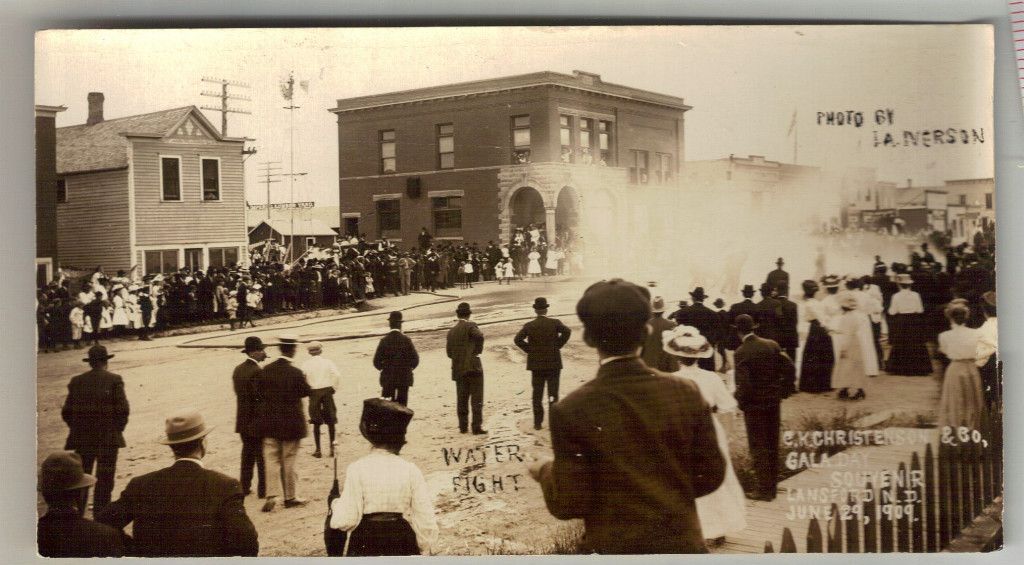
x: 567, y: 214
x: 527, y: 206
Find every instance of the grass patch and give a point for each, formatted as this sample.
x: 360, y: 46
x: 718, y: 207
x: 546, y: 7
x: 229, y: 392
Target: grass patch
x: 566, y: 540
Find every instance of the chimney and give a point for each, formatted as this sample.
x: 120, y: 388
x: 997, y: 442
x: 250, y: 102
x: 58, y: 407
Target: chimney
x: 95, y: 108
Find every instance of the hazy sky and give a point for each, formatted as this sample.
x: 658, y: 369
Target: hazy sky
x: 743, y: 82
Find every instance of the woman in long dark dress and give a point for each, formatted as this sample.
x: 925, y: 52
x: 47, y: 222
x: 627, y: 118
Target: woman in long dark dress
x: 818, y: 358
x: 909, y: 355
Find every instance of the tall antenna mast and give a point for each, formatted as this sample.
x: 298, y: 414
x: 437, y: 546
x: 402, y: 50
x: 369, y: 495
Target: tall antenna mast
x: 224, y: 97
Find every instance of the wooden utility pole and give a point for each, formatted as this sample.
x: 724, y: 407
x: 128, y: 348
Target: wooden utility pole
x: 268, y: 172
x: 224, y: 97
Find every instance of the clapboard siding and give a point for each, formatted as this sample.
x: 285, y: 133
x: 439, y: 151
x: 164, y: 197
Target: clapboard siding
x: 92, y: 226
x: 190, y: 220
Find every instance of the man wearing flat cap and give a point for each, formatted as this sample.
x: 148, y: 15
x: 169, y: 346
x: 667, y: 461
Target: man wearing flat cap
x: 184, y: 510
x: 245, y: 379
x: 282, y: 422
x: 635, y: 446
x: 62, y: 531
x: 464, y: 345
x: 96, y: 412
x: 396, y: 358
x: 542, y: 339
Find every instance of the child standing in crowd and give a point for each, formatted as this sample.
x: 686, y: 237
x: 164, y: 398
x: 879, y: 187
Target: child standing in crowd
x: 499, y: 271
x: 369, y: 286
x: 232, y: 308
x: 106, y: 319
x: 510, y: 270
x: 467, y: 274
x: 77, y: 319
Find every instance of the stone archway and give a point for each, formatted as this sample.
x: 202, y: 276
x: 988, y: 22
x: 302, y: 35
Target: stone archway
x: 567, y: 214
x: 526, y: 207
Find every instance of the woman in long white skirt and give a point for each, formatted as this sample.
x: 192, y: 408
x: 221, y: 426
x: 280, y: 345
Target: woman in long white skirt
x: 723, y: 511
x: 853, y: 340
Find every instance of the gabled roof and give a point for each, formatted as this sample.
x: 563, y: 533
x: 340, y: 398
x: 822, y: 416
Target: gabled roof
x: 303, y: 227
x: 103, y: 146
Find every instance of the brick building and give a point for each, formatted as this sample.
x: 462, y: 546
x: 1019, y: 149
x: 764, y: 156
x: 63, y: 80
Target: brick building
x: 160, y: 191
x: 470, y: 161
x: 47, y: 187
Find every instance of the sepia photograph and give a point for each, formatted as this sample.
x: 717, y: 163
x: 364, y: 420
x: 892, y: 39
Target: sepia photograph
x: 535, y: 290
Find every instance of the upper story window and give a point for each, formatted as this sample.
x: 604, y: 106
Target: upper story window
x: 664, y: 165
x: 963, y: 200
x: 586, y: 140
x: 604, y: 141
x: 387, y: 151
x: 988, y: 200
x: 170, y: 178
x: 62, y: 191
x: 447, y: 212
x: 445, y: 146
x: 565, y: 137
x: 520, y: 139
x: 638, y: 167
x: 211, y: 178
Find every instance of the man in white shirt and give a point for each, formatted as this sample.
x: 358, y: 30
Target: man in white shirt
x: 987, y: 358
x: 322, y: 375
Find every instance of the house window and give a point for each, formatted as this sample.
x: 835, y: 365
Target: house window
x: 446, y: 146
x: 387, y: 151
x: 62, y: 191
x: 664, y: 165
x: 604, y: 141
x: 565, y: 136
x: 161, y: 261
x: 310, y: 241
x: 988, y: 200
x: 963, y: 200
x: 351, y: 226
x: 223, y: 256
x: 389, y: 217
x: 170, y: 177
x: 638, y: 167
x: 211, y: 179
x: 447, y: 212
x: 194, y: 258
x: 520, y: 139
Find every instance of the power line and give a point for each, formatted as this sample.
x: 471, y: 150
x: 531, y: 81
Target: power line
x: 224, y: 97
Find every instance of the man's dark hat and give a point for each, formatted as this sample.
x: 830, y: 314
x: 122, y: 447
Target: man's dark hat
x: 745, y: 324
x: 395, y: 316
x: 719, y: 303
x: 97, y: 353
x: 253, y: 343
x: 698, y: 293
x: 748, y: 290
x: 540, y: 304
x: 63, y: 471
x: 384, y: 421
x: 779, y: 261
x: 463, y: 309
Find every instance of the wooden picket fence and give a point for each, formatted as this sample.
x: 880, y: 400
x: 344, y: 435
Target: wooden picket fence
x: 956, y: 486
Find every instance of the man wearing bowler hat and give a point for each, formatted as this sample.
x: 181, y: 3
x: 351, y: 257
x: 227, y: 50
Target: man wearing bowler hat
x: 464, y: 345
x: 396, y: 358
x: 245, y: 379
x: 707, y: 322
x: 62, y: 531
x: 184, y: 510
x: 282, y: 422
x: 542, y: 339
x: 764, y: 377
x: 96, y: 412
x: 635, y: 446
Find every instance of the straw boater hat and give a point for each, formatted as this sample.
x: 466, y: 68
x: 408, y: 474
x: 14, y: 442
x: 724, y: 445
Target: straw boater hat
x: 830, y: 281
x: 63, y: 471
x: 904, y: 278
x: 686, y: 341
x: 314, y: 346
x: 185, y: 427
x: 657, y: 305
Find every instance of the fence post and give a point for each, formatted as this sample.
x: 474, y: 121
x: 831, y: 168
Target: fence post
x: 964, y: 456
x: 768, y: 547
x: 930, y: 505
x: 977, y: 461
x: 852, y: 527
x: 788, y: 544
x: 835, y: 530
x: 917, y: 516
x: 946, y: 488
x: 814, y: 544
x: 870, y: 520
x: 903, y: 520
x: 953, y: 485
x: 885, y: 517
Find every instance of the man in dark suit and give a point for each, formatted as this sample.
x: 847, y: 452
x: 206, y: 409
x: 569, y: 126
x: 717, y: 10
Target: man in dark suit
x: 396, y: 358
x: 768, y: 316
x: 62, y: 531
x: 634, y: 447
x: 185, y: 509
x: 464, y: 345
x: 96, y: 412
x: 707, y: 322
x: 245, y: 379
x: 282, y: 422
x: 746, y: 306
x: 786, y: 333
x: 652, y: 353
x: 764, y: 377
x: 778, y: 277
x: 542, y: 338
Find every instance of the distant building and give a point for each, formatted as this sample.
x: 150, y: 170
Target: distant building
x: 971, y: 206
x: 472, y: 161
x: 307, y: 233
x: 48, y: 189
x: 911, y: 208
x: 159, y: 191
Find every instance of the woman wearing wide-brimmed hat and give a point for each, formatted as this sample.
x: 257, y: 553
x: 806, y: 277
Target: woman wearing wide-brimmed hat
x: 853, y: 341
x: 724, y: 510
x: 909, y: 354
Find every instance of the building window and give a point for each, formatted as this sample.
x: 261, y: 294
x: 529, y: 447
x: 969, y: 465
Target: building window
x: 161, y: 261
x: 604, y: 141
x: 638, y: 167
x: 211, y: 178
x: 351, y: 226
x: 310, y: 241
x: 565, y: 136
x: 664, y: 165
x: 988, y: 200
x: 447, y: 216
x: 520, y: 139
x: 963, y: 200
x: 387, y: 151
x: 446, y: 146
x: 223, y: 256
x: 170, y: 178
x: 62, y: 191
x: 194, y: 258
x: 389, y: 217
